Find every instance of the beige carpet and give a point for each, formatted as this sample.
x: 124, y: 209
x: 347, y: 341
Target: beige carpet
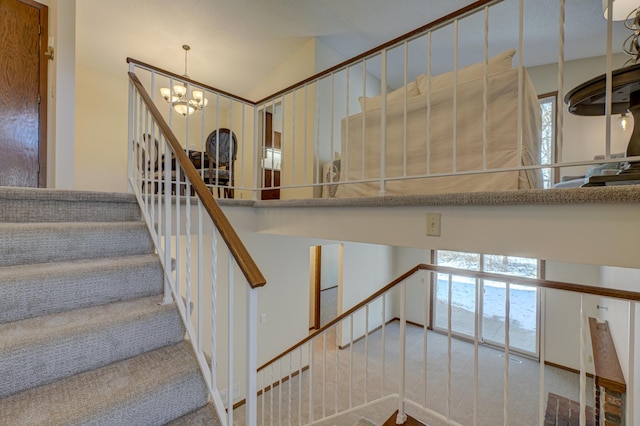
x: 367, y: 384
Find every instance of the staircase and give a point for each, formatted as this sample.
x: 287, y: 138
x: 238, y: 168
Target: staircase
x: 84, y: 338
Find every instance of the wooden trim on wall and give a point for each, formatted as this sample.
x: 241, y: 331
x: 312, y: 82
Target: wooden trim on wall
x: 273, y: 385
x: 565, y: 368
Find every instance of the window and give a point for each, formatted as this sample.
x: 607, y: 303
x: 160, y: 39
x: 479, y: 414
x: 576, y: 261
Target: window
x: 523, y: 300
x: 548, y: 137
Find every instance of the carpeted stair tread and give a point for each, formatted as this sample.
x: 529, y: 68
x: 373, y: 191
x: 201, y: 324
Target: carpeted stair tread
x: 23, y: 243
x: 363, y: 421
x: 151, y: 389
x: 203, y: 416
x: 46, y: 288
x: 53, y: 205
x: 42, y: 349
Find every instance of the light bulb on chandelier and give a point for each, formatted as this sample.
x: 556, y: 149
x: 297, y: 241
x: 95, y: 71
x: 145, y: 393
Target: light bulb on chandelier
x: 623, y: 122
x: 178, y: 95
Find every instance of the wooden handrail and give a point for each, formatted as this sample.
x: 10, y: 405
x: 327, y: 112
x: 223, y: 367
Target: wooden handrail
x: 536, y: 282
x: 236, y: 247
x: 386, y: 45
x: 531, y: 282
x: 342, y: 316
x: 188, y: 80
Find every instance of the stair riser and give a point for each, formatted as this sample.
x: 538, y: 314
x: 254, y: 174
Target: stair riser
x: 38, y: 243
x: 43, y: 362
x: 56, y: 289
x: 49, y: 205
x: 67, y: 211
x: 160, y: 407
x: 150, y: 389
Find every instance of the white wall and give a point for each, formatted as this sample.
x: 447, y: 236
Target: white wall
x: 562, y: 320
x: 101, y: 137
x: 597, y: 234
x: 298, y: 67
x: 329, y: 265
x: 418, y: 285
x: 61, y: 141
x: 583, y: 137
x: 365, y: 269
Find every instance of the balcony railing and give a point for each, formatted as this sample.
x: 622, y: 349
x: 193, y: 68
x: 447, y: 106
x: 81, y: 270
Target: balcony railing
x: 449, y: 107
x: 378, y: 357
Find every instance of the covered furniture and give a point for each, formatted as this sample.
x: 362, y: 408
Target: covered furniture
x: 427, y: 142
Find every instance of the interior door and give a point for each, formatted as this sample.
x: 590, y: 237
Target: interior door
x: 23, y: 87
x: 270, y: 173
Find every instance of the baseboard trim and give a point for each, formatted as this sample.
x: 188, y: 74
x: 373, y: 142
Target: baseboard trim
x: 565, y: 368
x: 329, y: 288
x: 272, y: 386
x: 342, y: 347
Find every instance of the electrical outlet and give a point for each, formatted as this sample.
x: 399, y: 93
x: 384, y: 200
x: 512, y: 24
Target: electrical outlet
x: 433, y: 224
x: 263, y: 318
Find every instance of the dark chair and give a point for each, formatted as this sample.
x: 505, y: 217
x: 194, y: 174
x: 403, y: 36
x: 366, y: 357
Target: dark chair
x: 222, y: 149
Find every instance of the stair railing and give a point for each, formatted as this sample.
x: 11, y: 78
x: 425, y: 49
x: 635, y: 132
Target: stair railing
x: 185, y: 223
x: 379, y: 353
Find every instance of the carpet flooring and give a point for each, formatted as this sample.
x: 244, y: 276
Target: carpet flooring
x: 358, y: 380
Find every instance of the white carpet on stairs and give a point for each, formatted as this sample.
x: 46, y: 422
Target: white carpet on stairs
x: 364, y: 422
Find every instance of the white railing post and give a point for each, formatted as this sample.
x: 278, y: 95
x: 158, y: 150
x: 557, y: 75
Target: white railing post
x: 252, y: 357
x: 230, y: 343
x: 167, y: 221
x: 402, y: 417
x: 632, y: 364
x: 131, y: 158
x: 383, y: 126
x: 583, y: 374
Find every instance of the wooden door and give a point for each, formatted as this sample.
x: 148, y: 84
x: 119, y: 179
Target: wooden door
x: 271, y: 176
x: 23, y: 88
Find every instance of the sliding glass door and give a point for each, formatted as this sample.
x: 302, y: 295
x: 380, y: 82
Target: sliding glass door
x: 490, y: 302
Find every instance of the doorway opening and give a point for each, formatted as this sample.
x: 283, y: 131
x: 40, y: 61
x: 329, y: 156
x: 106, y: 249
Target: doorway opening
x: 325, y: 284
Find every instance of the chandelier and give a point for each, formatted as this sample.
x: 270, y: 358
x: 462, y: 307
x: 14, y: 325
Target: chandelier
x: 178, y: 97
x: 629, y: 12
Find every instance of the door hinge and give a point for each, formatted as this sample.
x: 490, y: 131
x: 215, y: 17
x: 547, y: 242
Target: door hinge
x: 39, y: 29
x: 39, y: 99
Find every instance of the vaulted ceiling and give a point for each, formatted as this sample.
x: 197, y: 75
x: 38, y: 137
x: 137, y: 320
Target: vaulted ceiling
x: 235, y: 43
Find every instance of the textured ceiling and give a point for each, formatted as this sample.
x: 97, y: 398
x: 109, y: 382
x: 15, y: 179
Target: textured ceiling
x: 236, y: 43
